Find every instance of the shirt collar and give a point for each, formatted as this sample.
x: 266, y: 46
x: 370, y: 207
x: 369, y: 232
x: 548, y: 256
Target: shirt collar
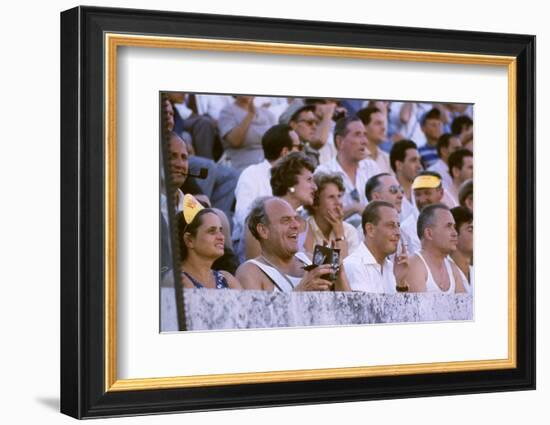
x: 366, y: 256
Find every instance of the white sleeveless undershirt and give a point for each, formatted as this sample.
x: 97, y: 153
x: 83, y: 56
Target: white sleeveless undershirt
x: 431, y: 286
x: 281, y: 281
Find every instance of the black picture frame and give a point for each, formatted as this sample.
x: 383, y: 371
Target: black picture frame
x: 83, y: 366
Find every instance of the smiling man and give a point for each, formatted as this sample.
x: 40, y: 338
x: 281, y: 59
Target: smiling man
x: 272, y: 221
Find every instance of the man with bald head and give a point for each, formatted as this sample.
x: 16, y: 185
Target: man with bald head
x: 272, y: 221
x: 430, y: 269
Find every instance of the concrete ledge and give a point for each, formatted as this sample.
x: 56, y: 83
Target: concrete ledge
x: 208, y: 309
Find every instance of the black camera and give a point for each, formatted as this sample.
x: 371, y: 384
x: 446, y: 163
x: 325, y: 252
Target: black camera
x: 326, y: 255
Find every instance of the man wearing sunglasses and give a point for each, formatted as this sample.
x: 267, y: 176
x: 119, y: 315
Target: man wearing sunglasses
x: 385, y: 187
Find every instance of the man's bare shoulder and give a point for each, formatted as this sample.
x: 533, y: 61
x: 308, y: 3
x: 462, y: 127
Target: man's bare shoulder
x: 251, y: 276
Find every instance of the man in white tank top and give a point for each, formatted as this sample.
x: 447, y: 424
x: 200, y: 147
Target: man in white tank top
x: 430, y: 269
x: 272, y: 221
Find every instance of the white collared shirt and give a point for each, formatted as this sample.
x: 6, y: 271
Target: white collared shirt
x: 407, y: 208
x: 409, y: 234
x: 442, y: 169
x: 366, y: 275
x: 253, y: 182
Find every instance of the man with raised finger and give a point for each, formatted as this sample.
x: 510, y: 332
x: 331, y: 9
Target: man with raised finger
x: 368, y: 268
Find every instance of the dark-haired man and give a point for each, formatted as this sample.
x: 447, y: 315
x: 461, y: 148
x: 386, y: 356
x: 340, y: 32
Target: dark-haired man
x: 385, y: 187
x: 405, y: 163
x: 446, y: 145
x: 352, y: 164
x: 430, y: 269
x: 461, y: 167
x: 375, y: 125
x: 368, y: 268
x: 432, y: 127
x: 463, y: 255
x: 463, y: 127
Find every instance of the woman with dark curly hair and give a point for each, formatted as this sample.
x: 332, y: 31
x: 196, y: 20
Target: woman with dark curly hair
x: 201, y: 243
x: 291, y: 180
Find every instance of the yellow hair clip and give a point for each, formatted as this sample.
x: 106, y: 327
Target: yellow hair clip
x: 191, y: 208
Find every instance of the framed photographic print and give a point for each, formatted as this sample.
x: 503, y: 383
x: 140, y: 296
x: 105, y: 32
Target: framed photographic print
x: 152, y: 100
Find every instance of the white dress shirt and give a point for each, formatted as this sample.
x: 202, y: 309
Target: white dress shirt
x: 409, y: 233
x: 366, y: 275
x: 442, y: 169
x: 407, y: 208
x: 253, y: 182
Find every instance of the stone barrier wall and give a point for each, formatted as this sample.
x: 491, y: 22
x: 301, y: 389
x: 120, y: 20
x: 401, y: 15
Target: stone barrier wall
x: 208, y: 309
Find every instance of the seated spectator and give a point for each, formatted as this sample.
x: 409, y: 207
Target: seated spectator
x: 463, y: 127
x: 461, y: 167
x: 464, y: 253
x: 201, y: 128
x: 404, y: 121
x: 385, y: 187
x: 430, y: 269
x: 217, y: 188
x: 280, y: 267
x: 405, y: 162
x: 304, y: 122
x: 326, y: 225
x: 368, y: 268
x: 201, y: 243
x: 352, y: 164
x: 254, y: 181
x: 446, y: 145
x: 291, y: 180
x: 242, y: 126
x: 327, y: 111
x: 375, y: 126
x: 432, y: 126
x: 466, y: 195
x: 427, y: 190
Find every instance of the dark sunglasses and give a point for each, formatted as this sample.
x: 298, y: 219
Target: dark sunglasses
x: 395, y: 189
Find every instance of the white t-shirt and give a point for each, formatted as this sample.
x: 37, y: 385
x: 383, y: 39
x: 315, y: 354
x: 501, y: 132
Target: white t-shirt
x: 365, y: 274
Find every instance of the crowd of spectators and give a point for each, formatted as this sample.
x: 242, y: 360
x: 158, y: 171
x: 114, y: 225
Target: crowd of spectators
x: 386, y: 185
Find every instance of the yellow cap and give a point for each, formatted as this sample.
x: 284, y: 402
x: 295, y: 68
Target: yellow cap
x: 191, y: 208
x: 426, y: 182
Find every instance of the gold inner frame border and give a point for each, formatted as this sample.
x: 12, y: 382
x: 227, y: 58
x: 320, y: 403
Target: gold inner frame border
x: 112, y: 41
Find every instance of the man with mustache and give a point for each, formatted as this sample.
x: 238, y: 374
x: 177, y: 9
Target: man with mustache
x: 430, y: 269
